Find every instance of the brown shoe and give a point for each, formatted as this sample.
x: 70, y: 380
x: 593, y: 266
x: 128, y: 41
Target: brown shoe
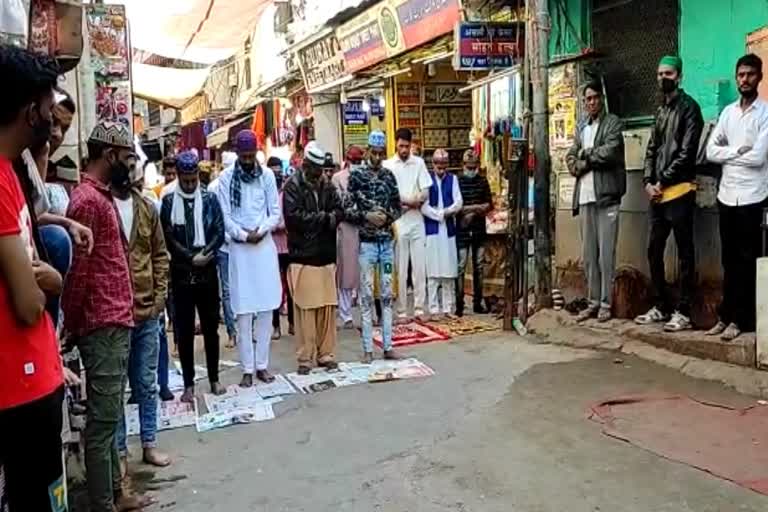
x: 155, y: 457
x: 247, y: 380
x: 189, y: 395
x: 265, y: 376
x: 391, y: 355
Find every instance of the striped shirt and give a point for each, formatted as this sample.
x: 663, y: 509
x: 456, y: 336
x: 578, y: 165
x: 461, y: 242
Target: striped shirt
x: 474, y: 190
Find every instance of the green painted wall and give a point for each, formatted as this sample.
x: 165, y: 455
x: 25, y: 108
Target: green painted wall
x: 712, y: 37
x: 570, y: 27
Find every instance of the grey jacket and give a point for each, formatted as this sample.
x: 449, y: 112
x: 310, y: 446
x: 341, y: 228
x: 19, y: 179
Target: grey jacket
x: 605, y: 159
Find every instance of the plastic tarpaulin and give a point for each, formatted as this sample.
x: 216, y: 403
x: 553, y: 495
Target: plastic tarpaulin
x: 170, y: 86
x: 204, y: 31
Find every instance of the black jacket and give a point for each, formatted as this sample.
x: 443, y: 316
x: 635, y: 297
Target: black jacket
x: 179, y: 240
x: 311, y: 221
x: 605, y: 158
x: 671, y: 155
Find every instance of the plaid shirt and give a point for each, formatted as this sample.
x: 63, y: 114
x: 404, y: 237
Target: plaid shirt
x: 98, y: 291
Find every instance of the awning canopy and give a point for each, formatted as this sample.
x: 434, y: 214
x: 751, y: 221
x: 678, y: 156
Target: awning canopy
x: 170, y: 86
x: 202, y: 31
x: 221, y: 135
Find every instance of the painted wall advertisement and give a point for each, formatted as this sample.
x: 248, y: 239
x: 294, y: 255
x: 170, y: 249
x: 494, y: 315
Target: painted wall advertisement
x: 562, y: 106
x: 322, y: 64
x: 111, y: 63
x: 392, y: 27
x: 481, y: 46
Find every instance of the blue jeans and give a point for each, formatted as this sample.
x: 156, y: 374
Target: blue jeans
x: 376, y: 256
x: 163, y: 357
x: 58, y: 245
x: 142, y: 368
x: 229, y: 319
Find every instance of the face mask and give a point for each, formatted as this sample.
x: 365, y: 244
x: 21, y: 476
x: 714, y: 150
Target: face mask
x: 668, y: 85
x: 121, y: 176
x: 470, y: 173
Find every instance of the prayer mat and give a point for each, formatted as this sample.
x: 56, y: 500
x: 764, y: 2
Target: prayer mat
x: 724, y: 441
x: 411, y: 333
x: 464, y: 326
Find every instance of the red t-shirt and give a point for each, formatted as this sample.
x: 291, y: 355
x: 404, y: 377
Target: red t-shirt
x: 30, y: 366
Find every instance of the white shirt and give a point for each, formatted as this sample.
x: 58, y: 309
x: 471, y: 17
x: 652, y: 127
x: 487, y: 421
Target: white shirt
x: 587, y: 191
x: 745, y: 177
x: 125, y: 209
x: 412, y: 180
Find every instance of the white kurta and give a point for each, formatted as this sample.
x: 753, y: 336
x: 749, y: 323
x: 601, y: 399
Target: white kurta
x: 254, y: 273
x: 442, y: 260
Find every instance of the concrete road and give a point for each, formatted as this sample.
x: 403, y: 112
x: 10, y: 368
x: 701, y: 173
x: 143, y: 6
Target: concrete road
x: 501, y: 427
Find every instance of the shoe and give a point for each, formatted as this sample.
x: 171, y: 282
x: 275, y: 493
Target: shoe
x: 303, y: 370
x: 603, y: 315
x: 276, y: 334
x: 479, y: 309
x: 246, y: 381
x: 731, y: 332
x: 349, y: 325
x: 391, y: 355
x: 586, y: 314
x: 166, y: 395
x: 329, y: 365
x: 155, y: 457
x: 679, y: 322
x: 264, y: 376
x: 717, y: 330
x: 654, y: 316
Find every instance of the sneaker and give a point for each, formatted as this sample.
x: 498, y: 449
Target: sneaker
x: 731, y: 332
x: 586, y: 314
x: 654, y: 316
x: 717, y: 330
x: 679, y: 322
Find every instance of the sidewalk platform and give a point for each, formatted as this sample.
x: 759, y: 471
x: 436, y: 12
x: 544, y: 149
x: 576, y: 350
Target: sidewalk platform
x: 607, y: 335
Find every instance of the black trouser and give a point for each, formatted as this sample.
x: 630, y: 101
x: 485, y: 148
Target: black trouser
x: 674, y: 216
x: 200, y: 294
x: 283, y: 260
x: 30, y: 451
x: 740, y: 245
x: 474, y: 250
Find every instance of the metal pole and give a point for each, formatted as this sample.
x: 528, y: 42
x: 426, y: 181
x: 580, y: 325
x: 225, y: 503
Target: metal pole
x: 540, y: 83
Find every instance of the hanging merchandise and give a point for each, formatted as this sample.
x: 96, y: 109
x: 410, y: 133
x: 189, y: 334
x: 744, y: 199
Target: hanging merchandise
x: 259, y: 125
x: 110, y: 61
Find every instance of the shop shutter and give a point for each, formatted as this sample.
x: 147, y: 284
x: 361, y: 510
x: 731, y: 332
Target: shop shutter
x: 633, y: 35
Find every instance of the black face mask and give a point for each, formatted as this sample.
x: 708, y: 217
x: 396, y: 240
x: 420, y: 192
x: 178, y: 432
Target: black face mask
x: 668, y: 85
x: 121, y: 176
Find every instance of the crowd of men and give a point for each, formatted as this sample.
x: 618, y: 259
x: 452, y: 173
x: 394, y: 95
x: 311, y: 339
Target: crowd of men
x: 739, y: 143
x: 99, y: 265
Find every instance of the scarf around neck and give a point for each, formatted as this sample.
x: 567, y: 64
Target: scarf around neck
x: 178, y: 217
x: 239, y: 177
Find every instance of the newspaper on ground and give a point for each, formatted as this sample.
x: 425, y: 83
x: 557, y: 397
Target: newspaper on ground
x: 382, y: 371
x: 170, y: 415
x: 319, y: 379
x: 214, y: 420
x: 280, y: 386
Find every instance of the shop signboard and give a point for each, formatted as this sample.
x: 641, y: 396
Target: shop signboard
x: 481, y: 46
x: 322, y: 63
x: 355, y: 123
x: 392, y: 27
x: 423, y: 20
x: 111, y: 63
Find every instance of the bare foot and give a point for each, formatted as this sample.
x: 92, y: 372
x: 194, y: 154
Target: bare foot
x: 126, y: 502
x: 402, y: 320
x: 276, y: 334
x: 232, y: 341
x: 329, y: 365
x: 367, y: 358
x: 246, y: 381
x: 155, y: 457
x: 189, y: 395
x: 175, y: 350
x: 217, y: 389
x: 450, y: 316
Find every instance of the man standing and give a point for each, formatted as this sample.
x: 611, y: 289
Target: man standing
x: 248, y: 196
x: 477, y: 202
x: 740, y: 144
x: 148, y: 258
x: 373, y: 203
x: 169, y: 178
x: 596, y: 160
x: 98, y: 308
x: 30, y: 367
x: 440, y: 211
x: 670, y: 182
x: 413, y: 181
x: 347, y: 243
x: 312, y: 212
x: 194, y: 231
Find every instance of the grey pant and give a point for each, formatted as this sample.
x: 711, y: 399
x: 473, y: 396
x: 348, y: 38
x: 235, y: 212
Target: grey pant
x: 599, y: 232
